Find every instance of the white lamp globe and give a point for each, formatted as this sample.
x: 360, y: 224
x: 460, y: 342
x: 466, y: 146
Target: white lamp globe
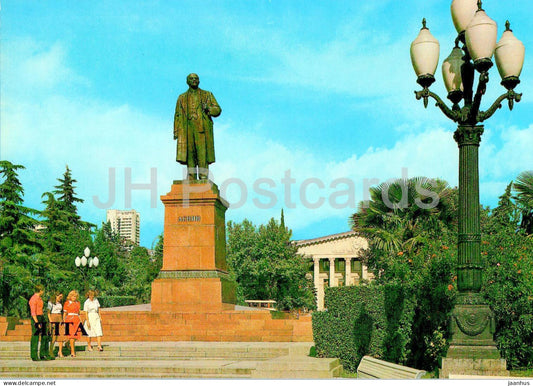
x: 451, y: 73
x: 509, y: 55
x: 425, y: 54
x: 90, y: 262
x: 84, y: 261
x: 481, y: 35
x: 462, y: 13
x: 96, y: 262
x: 77, y: 261
x: 86, y: 251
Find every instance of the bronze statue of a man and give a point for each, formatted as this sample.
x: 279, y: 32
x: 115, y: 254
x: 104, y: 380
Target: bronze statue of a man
x: 193, y: 128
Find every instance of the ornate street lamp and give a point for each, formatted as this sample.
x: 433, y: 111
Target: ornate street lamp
x: 86, y: 260
x: 472, y: 319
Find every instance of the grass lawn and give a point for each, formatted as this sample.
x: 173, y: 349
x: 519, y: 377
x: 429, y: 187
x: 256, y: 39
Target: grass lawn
x: 527, y: 373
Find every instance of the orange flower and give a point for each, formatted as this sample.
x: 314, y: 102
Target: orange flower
x: 485, y: 242
x: 445, y: 247
x: 433, y: 255
x: 519, y: 271
x: 410, y: 260
x: 400, y: 253
x: 450, y: 287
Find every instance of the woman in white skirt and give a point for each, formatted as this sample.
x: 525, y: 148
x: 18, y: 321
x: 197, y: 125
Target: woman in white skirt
x: 93, y: 323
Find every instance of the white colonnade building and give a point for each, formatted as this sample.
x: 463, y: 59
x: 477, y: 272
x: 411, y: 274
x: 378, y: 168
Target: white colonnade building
x: 336, y: 261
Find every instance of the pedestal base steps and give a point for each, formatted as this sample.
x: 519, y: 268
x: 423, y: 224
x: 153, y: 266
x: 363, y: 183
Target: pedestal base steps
x: 455, y: 367
x: 217, y: 326
x: 173, y: 360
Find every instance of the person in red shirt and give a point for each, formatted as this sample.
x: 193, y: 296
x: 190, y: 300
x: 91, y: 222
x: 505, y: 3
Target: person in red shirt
x: 38, y: 327
x: 71, y: 310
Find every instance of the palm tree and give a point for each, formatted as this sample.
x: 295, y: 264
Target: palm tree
x: 523, y: 186
x: 402, y: 214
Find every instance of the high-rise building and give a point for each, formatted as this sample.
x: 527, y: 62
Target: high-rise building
x: 125, y: 223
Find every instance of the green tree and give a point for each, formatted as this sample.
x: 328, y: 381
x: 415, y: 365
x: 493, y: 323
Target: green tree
x: 18, y: 241
x: 508, y: 288
x: 401, y: 217
x: 403, y: 214
x: 157, y: 261
x: 17, y: 227
x: 56, y: 223
x: 523, y: 186
x: 411, y: 227
x: 505, y: 215
x: 265, y: 265
x: 107, y: 246
x: 508, y: 277
x: 66, y: 197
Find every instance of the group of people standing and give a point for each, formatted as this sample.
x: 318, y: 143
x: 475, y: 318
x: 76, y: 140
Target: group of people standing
x: 63, y: 322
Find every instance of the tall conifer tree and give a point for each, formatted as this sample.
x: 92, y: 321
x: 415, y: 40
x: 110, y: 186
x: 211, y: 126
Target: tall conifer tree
x: 66, y: 196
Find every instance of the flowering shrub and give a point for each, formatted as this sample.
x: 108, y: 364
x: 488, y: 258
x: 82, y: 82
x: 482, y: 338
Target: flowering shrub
x: 508, y: 288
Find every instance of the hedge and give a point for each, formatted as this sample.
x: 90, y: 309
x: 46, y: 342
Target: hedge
x: 364, y: 320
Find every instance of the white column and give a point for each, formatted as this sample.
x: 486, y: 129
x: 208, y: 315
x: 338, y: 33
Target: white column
x: 364, y: 271
x: 319, y: 284
x: 348, y: 272
x: 316, y: 271
x: 332, y: 272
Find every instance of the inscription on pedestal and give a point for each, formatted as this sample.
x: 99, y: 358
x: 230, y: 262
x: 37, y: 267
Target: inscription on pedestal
x: 189, y: 218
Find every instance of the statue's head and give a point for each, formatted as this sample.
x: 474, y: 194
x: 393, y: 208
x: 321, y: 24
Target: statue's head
x: 193, y: 80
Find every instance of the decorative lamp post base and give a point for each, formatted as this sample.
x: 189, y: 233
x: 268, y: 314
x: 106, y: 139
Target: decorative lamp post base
x: 456, y: 367
x: 472, y: 349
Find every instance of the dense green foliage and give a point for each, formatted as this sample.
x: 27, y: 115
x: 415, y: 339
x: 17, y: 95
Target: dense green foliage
x: 266, y: 265
x: 524, y: 200
x: 416, y: 248
x: 364, y: 320
x: 40, y: 247
x: 507, y: 247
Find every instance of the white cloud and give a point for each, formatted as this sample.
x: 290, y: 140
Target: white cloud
x: 28, y: 69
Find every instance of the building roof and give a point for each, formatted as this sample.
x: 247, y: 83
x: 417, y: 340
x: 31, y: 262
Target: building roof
x: 325, y: 239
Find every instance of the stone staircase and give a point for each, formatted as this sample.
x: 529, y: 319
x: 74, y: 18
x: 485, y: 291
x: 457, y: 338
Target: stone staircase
x: 172, y: 360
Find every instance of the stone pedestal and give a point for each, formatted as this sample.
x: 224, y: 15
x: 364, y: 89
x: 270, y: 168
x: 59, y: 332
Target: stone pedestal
x: 194, y: 275
x: 472, y: 348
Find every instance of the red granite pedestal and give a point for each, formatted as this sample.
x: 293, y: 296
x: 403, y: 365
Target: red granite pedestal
x: 194, y: 275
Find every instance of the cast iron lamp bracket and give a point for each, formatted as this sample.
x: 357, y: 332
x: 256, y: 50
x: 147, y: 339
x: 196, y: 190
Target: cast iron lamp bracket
x: 470, y: 114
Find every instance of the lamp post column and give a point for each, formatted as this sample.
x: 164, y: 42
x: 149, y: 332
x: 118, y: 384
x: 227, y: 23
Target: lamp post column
x: 472, y: 348
x: 469, y: 264
x: 472, y: 323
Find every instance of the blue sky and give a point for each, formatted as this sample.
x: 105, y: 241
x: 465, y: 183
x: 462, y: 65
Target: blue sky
x: 322, y: 89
